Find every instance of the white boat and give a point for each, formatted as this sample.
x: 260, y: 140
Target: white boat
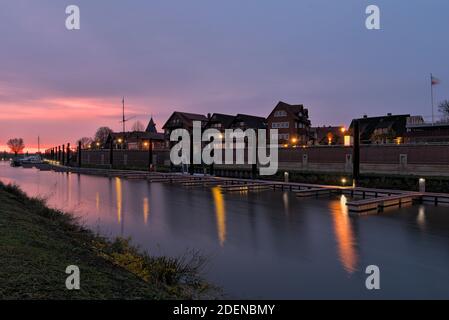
x: 31, y: 161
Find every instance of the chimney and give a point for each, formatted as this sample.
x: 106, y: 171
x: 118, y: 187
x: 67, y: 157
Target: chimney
x: 208, y: 116
x: 389, y: 114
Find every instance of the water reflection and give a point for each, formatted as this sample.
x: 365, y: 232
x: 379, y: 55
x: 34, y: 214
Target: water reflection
x: 118, y: 195
x: 69, y: 188
x: 97, y: 201
x: 146, y: 210
x: 344, y: 235
x: 302, y: 248
x: 421, y: 219
x: 220, y: 213
x: 285, y: 201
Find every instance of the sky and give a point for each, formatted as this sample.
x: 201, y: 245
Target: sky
x: 207, y: 56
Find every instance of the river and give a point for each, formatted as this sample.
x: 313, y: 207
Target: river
x: 267, y: 244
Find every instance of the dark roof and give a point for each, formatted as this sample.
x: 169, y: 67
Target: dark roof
x: 250, y: 121
x: 186, y: 118
x: 293, y: 109
x: 224, y: 119
x: 193, y: 116
x: 151, y: 127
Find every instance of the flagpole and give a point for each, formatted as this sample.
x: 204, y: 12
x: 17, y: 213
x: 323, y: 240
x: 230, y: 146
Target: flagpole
x: 431, y: 97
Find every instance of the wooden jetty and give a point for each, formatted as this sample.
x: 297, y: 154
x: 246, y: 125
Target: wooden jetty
x: 246, y: 187
x: 311, y: 192
x: 380, y: 203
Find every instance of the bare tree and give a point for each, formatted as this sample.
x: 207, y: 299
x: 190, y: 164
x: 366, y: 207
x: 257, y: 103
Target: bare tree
x: 102, y: 134
x: 16, y: 145
x: 85, y: 142
x: 138, y: 126
x: 444, y: 108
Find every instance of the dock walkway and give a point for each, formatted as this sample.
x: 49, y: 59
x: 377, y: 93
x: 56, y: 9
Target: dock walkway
x: 371, y: 199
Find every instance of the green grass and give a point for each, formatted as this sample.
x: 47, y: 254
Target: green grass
x: 38, y: 243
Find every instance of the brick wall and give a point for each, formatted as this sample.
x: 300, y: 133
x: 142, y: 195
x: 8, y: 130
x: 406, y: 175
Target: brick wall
x: 394, y: 159
x: 124, y: 158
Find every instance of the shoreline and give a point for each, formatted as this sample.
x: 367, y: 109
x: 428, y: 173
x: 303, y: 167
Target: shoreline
x: 39, y: 243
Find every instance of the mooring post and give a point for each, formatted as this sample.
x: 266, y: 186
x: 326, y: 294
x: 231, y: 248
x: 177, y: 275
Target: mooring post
x: 68, y: 154
x: 59, y: 154
x: 79, y: 154
x: 63, y: 155
x: 356, y: 153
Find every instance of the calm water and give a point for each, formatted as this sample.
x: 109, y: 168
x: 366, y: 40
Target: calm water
x: 265, y: 244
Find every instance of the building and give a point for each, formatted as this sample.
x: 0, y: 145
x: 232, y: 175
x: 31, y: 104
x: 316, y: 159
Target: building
x: 137, y: 140
x: 382, y: 130
x: 292, y: 122
x: 183, y: 120
x: 420, y: 131
x: 246, y: 121
x: 219, y: 121
x: 328, y: 135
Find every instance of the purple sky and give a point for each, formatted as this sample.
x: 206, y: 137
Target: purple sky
x: 205, y: 56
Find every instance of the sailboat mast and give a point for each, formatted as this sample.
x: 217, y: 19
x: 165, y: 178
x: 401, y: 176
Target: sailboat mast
x: 123, y: 114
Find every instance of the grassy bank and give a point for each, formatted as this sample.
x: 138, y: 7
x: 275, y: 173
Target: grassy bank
x: 38, y: 243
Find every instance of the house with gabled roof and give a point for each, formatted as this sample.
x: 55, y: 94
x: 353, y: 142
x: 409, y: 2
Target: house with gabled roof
x: 183, y: 120
x: 292, y: 123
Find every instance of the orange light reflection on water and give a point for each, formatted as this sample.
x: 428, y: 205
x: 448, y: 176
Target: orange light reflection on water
x: 220, y: 214
x: 344, y: 235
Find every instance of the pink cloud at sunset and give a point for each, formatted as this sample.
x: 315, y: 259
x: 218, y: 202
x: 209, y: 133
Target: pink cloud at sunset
x: 58, y: 120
